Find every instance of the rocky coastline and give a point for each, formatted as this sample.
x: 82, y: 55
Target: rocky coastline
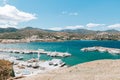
x: 86, y: 71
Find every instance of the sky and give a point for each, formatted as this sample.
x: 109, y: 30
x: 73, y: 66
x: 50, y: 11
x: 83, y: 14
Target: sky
x: 60, y: 14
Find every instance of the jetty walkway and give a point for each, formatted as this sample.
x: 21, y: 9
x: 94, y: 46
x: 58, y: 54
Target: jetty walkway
x: 40, y: 51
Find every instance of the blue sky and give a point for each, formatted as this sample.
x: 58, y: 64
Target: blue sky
x: 65, y: 14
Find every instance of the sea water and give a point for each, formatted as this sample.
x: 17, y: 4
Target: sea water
x: 73, y: 47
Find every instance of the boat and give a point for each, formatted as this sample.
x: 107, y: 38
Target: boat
x: 57, y: 62
x: 33, y: 60
x: 35, y: 65
x: 19, y: 58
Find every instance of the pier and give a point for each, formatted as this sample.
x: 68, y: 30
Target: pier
x: 40, y: 51
x: 102, y: 49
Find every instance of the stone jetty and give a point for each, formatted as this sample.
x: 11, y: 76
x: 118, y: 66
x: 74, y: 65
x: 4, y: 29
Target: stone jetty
x: 41, y: 51
x: 102, y: 49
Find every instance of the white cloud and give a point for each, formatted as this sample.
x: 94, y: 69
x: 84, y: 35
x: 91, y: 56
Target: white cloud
x: 11, y: 16
x: 74, y: 27
x: 70, y: 13
x: 91, y: 25
x: 56, y: 28
x: 73, y: 14
x: 64, y: 12
x: 114, y: 26
x: 67, y: 27
x: 6, y: 26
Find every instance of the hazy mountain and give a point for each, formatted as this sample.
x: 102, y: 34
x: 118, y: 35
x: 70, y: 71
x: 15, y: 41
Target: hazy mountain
x: 112, y: 31
x: 85, y: 31
x: 30, y: 28
x: 81, y: 31
x: 2, y: 30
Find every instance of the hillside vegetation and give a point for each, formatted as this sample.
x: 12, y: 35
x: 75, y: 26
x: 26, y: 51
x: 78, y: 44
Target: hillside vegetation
x: 35, y: 34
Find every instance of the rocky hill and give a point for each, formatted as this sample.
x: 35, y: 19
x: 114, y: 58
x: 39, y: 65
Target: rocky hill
x: 2, y: 30
x: 36, y: 34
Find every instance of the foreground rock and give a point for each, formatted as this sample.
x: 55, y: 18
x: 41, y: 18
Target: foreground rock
x: 96, y: 70
x: 6, y: 70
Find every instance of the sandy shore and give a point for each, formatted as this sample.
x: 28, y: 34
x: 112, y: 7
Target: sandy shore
x: 95, y: 70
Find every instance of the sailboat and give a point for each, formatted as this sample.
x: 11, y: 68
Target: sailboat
x: 38, y: 56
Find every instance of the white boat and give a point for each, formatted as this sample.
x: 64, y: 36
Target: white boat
x: 19, y: 58
x: 57, y: 62
x: 35, y: 65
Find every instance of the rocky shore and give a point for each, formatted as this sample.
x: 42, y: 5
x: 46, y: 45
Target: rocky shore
x: 95, y: 70
x: 14, y: 67
x: 102, y: 49
x: 7, y: 41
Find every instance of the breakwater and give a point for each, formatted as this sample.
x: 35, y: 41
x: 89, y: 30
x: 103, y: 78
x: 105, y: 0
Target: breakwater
x: 102, y: 49
x: 39, y: 51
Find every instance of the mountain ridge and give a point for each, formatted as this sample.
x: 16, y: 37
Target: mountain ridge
x: 82, y: 31
x: 38, y: 34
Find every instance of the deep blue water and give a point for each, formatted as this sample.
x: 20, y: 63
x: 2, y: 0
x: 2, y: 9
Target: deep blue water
x: 72, y: 47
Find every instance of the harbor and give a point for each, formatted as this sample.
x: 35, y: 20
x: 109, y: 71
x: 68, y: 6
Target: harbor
x: 33, y: 66
x: 32, y: 59
x: 102, y: 49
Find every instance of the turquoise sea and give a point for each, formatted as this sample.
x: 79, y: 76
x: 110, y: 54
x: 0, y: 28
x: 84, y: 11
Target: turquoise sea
x: 72, y: 47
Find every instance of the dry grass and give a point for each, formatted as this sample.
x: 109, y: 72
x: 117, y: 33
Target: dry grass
x: 5, y: 70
